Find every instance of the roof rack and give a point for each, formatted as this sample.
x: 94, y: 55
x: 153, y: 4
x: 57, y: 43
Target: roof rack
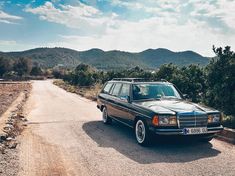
x: 136, y: 80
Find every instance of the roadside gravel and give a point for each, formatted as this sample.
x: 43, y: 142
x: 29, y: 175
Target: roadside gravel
x: 12, y: 99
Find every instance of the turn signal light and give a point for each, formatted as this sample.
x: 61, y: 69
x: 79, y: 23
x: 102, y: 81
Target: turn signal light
x: 155, y: 120
x: 210, y: 119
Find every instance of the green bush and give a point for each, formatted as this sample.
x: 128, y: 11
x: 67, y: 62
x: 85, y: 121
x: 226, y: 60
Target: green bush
x: 229, y: 121
x: 221, y: 81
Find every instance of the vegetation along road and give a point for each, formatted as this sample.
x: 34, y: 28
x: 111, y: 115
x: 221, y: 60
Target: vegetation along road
x: 65, y: 136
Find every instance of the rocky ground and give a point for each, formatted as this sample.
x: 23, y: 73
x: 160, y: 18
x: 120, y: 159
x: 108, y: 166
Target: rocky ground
x: 12, y: 99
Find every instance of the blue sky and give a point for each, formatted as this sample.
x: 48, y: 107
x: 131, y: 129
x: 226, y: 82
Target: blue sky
x: 117, y: 24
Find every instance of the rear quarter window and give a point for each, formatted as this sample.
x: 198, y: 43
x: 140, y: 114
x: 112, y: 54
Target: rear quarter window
x: 116, y: 89
x: 125, y: 90
x: 107, y: 88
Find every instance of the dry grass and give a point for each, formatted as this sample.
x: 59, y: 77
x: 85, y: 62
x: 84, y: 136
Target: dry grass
x: 87, y: 92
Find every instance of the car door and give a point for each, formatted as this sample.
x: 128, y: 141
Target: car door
x: 123, y: 104
x: 113, y: 109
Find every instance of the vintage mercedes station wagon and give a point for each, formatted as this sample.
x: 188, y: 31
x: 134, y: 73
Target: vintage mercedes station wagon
x: 156, y: 107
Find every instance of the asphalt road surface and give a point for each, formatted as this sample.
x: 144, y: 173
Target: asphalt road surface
x: 65, y: 136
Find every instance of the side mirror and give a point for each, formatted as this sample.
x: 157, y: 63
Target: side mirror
x: 125, y: 98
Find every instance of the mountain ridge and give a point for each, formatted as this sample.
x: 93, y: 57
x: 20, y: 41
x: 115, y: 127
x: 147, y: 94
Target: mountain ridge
x: 113, y: 59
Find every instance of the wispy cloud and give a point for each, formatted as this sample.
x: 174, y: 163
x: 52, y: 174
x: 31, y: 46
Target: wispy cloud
x: 149, y: 33
x: 9, y: 19
x: 79, y: 17
x: 216, y: 13
x: 220, y: 11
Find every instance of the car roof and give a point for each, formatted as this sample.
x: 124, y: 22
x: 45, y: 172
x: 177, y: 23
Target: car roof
x: 138, y: 81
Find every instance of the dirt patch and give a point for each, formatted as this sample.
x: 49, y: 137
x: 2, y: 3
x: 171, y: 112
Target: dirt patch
x: 48, y: 157
x: 9, y: 92
x: 12, y: 123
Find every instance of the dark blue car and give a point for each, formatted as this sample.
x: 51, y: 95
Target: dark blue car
x: 156, y: 107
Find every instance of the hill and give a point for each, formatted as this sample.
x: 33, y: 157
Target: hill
x: 151, y: 58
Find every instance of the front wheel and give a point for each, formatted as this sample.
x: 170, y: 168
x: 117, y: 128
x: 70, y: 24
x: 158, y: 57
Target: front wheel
x: 106, y: 119
x: 142, y: 133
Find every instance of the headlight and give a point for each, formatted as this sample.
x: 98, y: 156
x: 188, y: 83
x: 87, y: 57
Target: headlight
x: 214, y: 118
x: 167, y: 120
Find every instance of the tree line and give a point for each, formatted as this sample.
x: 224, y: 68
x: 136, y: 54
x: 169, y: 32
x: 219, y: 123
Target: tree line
x: 12, y: 68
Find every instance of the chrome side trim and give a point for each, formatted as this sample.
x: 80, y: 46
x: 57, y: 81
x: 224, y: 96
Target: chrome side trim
x: 121, y: 122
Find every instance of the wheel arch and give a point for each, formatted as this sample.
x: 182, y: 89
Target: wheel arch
x: 138, y: 117
x: 102, y: 107
x: 147, y: 121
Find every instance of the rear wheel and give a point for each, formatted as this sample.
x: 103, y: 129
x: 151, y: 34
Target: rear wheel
x: 106, y: 119
x: 142, y: 133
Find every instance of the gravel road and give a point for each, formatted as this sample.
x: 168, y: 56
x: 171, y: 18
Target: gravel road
x: 65, y: 136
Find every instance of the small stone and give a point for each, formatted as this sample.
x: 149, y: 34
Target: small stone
x: 9, y: 123
x: 14, y: 115
x: 2, y: 149
x: 24, y: 119
x: 3, y: 137
x: 12, y: 145
x: 21, y: 116
x: 9, y: 139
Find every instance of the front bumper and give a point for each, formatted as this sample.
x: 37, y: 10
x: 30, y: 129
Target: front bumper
x: 180, y: 131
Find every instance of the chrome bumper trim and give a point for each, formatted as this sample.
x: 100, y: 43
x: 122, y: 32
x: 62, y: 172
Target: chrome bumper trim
x: 180, y: 131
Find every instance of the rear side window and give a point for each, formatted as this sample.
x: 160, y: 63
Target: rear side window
x: 125, y: 90
x: 116, y: 89
x: 107, y: 87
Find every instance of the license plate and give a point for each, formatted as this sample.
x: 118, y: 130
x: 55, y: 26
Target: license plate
x: 202, y: 130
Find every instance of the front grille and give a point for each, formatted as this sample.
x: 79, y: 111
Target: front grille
x: 192, y: 121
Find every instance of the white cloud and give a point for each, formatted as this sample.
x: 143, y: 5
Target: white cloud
x: 150, y: 6
x: 7, y: 18
x: 164, y: 28
x: 222, y: 9
x: 227, y: 9
x: 151, y: 33
x: 79, y: 17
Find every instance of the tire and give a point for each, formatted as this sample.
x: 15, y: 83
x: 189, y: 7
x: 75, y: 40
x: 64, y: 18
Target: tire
x: 142, y: 133
x: 105, y: 118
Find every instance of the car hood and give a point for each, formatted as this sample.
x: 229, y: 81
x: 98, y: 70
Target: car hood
x: 174, y: 106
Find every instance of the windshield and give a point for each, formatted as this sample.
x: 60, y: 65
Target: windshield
x: 144, y: 91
